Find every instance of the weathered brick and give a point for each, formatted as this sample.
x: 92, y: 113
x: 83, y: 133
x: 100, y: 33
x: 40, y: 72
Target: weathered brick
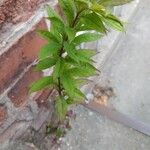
x: 42, y: 97
x: 15, y: 130
x: 20, y: 55
x: 19, y: 94
x: 3, y: 113
x: 18, y: 10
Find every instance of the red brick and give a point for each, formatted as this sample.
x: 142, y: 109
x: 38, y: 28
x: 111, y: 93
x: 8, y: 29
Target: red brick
x: 19, y: 93
x: 42, y: 97
x: 20, y: 55
x: 17, y: 10
x: 3, y: 113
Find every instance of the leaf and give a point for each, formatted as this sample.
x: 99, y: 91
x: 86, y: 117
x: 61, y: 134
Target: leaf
x: 86, y: 70
x: 57, y: 27
x: 86, y: 53
x: 68, y: 7
x: 82, y: 4
x: 86, y: 37
x: 83, y: 58
x: 51, y: 13
x: 79, y: 94
x: 81, y: 82
x: 70, y: 61
x: 41, y: 84
x: 68, y: 83
x: 91, y: 21
x: 114, y: 22
x: 61, y: 107
x: 78, y: 98
x: 48, y: 35
x: 49, y: 49
x: 70, y: 49
x: 45, y: 63
x: 71, y: 101
x: 58, y: 69
x: 87, y: 2
x: 70, y: 33
x: 114, y: 2
x: 97, y: 8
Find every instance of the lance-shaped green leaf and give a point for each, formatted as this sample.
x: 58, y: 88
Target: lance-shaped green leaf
x: 113, y: 22
x: 78, y: 98
x: 83, y: 58
x: 76, y: 55
x: 91, y: 21
x: 70, y: 49
x: 79, y: 94
x: 57, y: 26
x: 86, y: 37
x: 114, y: 2
x: 86, y: 70
x: 70, y: 61
x: 72, y: 101
x: 58, y: 69
x: 41, y: 84
x: 68, y: 83
x: 68, y: 7
x: 86, y: 53
x: 45, y: 63
x: 52, y: 13
x: 81, y: 81
x: 61, y: 107
x: 70, y: 33
x: 49, y: 49
x: 49, y: 36
x: 82, y: 4
x: 97, y: 7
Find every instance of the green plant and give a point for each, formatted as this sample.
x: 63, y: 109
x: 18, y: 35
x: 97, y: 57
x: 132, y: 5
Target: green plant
x: 82, y: 21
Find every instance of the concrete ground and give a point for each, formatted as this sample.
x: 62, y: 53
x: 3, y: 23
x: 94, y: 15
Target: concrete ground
x: 128, y: 68
x: 91, y: 131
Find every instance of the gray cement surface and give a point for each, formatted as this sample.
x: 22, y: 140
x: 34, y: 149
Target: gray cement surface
x: 91, y: 131
x: 128, y: 68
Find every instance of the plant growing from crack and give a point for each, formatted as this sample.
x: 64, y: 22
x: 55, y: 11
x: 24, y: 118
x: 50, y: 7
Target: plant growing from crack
x: 82, y: 21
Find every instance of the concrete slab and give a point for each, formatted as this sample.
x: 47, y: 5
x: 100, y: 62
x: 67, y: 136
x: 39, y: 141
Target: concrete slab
x: 127, y: 70
x: 91, y: 131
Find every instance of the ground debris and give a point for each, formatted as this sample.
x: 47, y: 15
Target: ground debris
x: 102, y: 94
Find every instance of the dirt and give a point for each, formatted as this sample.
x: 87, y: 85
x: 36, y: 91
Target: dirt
x: 102, y: 94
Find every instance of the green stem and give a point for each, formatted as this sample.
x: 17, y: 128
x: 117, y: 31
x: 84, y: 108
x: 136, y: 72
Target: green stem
x: 76, y: 18
x: 59, y: 88
x: 62, y: 50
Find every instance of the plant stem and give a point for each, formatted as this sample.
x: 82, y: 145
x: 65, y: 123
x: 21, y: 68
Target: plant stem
x: 76, y: 18
x: 59, y: 87
x: 62, y: 50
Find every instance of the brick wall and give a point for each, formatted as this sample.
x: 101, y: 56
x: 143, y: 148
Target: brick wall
x: 19, y: 45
